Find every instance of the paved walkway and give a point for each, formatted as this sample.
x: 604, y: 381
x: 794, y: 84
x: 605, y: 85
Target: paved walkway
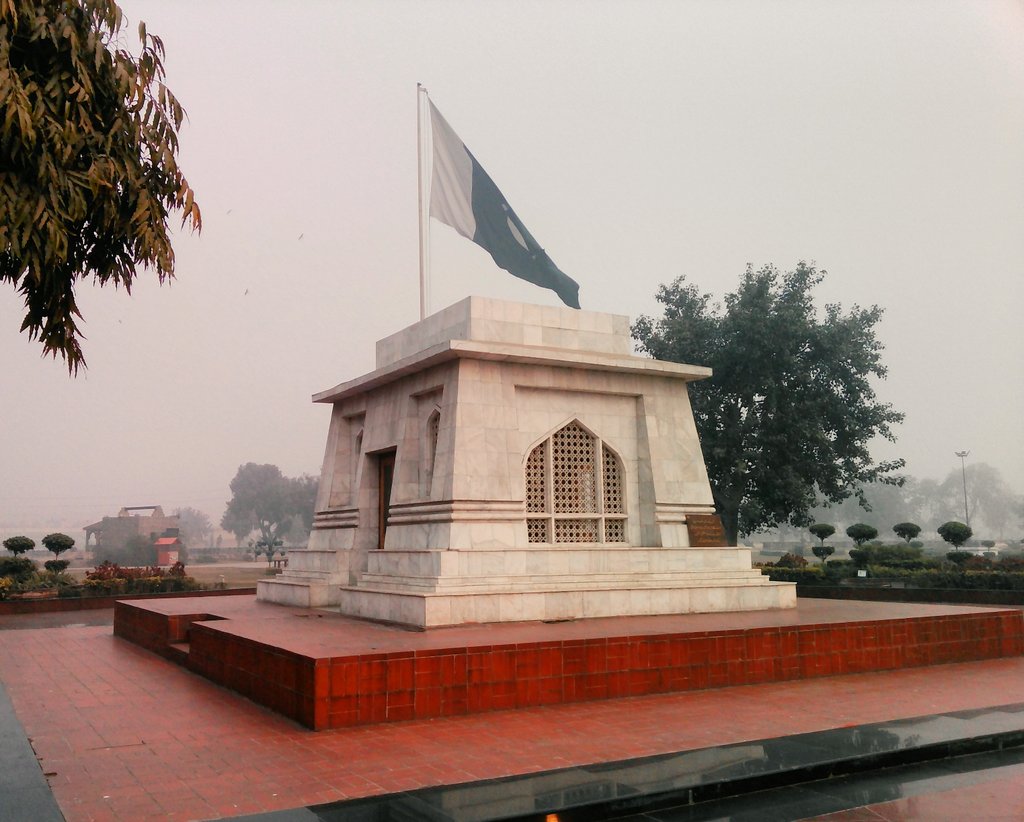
x: 123, y: 734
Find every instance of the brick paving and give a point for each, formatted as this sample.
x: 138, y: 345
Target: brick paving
x: 125, y: 735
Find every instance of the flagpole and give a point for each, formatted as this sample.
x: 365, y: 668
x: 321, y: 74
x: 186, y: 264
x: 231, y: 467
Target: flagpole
x: 424, y: 216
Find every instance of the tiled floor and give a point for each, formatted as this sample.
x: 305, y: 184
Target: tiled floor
x: 124, y: 734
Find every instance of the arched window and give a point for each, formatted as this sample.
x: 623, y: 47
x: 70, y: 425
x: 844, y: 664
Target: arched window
x: 574, y: 489
x: 430, y: 458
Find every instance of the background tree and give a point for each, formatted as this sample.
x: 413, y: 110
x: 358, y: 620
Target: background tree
x: 19, y: 545
x: 57, y: 544
x: 955, y: 533
x: 906, y: 531
x: 264, y: 500
x: 268, y: 548
x: 790, y: 410
x: 822, y: 530
x: 88, y: 145
x: 194, y: 526
x: 990, y: 500
x: 861, y: 533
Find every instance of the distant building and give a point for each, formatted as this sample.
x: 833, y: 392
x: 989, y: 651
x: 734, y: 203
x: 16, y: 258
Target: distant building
x: 113, y: 533
x: 168, y: 550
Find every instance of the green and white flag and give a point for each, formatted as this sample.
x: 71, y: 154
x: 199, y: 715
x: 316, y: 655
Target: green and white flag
x: 464, y: 196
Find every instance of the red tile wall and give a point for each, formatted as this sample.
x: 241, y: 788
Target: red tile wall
x: 371, y: 688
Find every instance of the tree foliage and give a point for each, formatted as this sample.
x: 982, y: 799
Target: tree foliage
x: 906, y: 531
x: 822, y: 531
x: 790, y: 410
x: 264, y: 500
x: 88, y: 167
x: 194, y: 526
x: 19, y: 545
x: 955, y: 533
x: 822, y: 551
x: 58, y: 543
x: 861, y: 533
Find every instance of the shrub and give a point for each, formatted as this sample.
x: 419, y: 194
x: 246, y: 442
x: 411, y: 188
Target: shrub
x: 896, y: 556
x: 57, y: 544
x: 790, y: 560
x: 56, y: 566
x: 907, y: 531
x: 823, y: 552
x: 958, y: 558
x: 17, y: 568
x: 861, y: 533
x: 801, y: 576
x: 111, y: 578
x: 822, y: 531
x: 19, y: 545
x: 955, y: 533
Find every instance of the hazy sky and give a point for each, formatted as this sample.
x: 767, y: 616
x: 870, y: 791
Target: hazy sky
x: 638, y: 141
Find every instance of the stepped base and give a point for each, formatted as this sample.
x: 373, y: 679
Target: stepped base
x: 336, y: 671
x: 310, y: 581
x: 612, y: 598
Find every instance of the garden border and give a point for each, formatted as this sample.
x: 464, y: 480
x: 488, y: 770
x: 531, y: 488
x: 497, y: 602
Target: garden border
x: 11, y: 607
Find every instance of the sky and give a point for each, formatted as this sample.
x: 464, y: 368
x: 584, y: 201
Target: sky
x: 639, y: 141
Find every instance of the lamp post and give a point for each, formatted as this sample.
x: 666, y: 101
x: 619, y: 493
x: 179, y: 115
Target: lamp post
x: 963, y: 473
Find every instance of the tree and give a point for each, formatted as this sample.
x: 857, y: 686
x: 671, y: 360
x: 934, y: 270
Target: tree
x: 19, y: 545
x: 955, y: 533
x: 194, y: 526
x: 861, y: 533
x: 88, y: 168
x: 990, y: 499
x: 268, y: 548
x: 906, y: 531
x: 265, y: 500
x: 822, y: 530
x: 790, y: 411
x: 58, y: 543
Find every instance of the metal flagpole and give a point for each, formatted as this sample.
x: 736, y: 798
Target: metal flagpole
x: 424, y: 215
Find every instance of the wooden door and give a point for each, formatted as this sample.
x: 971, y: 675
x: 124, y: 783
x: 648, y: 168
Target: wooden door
x: 385, y: 476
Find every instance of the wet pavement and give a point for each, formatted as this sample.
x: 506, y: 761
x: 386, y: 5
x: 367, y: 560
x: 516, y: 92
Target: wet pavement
x: 121, y: 734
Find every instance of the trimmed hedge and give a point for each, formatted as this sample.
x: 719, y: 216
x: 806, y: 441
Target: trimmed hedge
x: 928, y: 578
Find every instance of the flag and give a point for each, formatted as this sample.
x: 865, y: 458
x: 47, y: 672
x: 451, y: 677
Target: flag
x: 464, y: 196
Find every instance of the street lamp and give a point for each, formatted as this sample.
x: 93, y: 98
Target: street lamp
x: 963, y: 472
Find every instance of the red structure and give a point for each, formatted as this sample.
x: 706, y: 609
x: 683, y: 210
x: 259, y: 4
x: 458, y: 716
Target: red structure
x: 168, y: 550
x: 337, y: 671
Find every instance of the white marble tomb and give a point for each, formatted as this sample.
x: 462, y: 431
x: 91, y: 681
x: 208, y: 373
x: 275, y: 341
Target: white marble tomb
x: 510, y: 462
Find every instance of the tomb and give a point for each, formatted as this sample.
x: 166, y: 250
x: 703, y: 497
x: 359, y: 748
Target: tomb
x: 508, y: 462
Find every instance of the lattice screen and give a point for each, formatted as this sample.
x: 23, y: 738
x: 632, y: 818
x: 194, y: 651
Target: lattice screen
x: 573, y: 482
x: 536, y: 479
x: 612, y: 482
x: 570, y: 474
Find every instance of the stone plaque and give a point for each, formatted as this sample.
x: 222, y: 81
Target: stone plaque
x: 705, y: 531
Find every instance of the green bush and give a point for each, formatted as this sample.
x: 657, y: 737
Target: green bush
x: 56, y: 566
x: 861, y: 533
x: 18, y: 569
x: 19, y: 545
x: 895, y: 556
x: 802, y: 576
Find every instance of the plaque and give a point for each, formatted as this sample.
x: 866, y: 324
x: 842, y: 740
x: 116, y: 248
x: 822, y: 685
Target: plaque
x: 705, y: 531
